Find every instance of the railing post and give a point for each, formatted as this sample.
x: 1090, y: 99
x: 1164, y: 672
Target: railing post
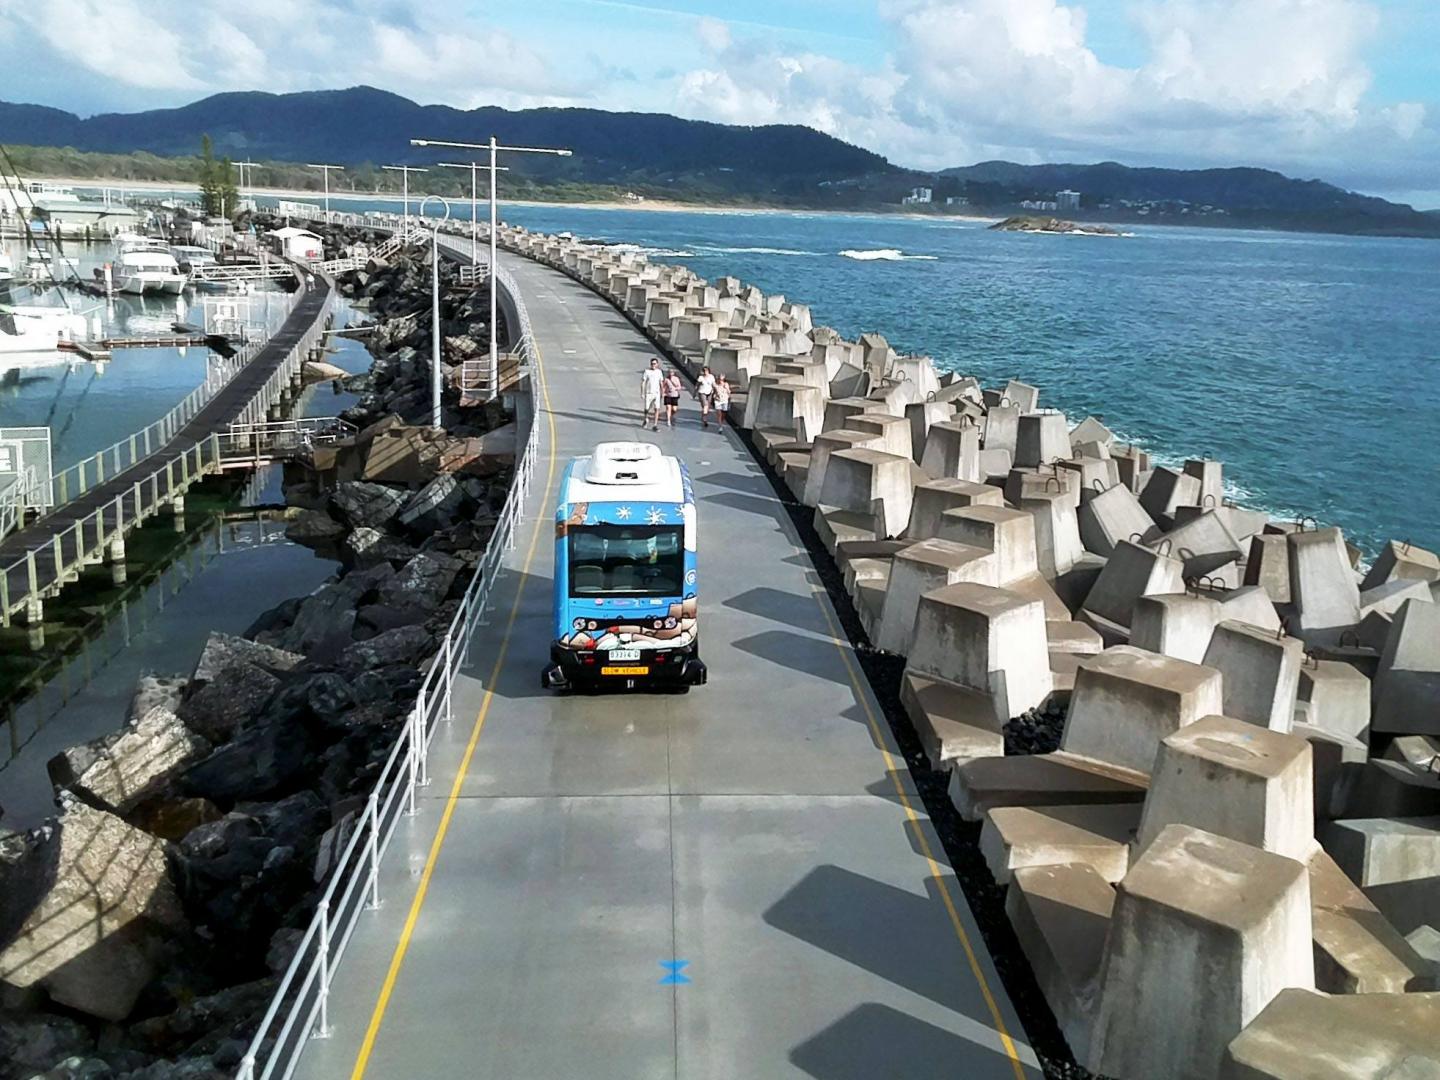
x: 322, y: 1029
x: 412, y: 766
x: 373, y: 844
x: 449, y: 674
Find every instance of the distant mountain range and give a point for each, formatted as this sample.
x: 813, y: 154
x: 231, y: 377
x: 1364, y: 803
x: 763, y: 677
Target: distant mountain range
x: 665, y: 156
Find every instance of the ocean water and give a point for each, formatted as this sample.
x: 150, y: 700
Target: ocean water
x: 1309, y: 365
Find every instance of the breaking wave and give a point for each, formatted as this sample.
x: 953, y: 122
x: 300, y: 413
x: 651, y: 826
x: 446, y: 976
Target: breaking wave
x: 884, y: 255
x: 753, y: 251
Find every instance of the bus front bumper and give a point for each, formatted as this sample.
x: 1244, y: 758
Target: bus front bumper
x: 671, y: 667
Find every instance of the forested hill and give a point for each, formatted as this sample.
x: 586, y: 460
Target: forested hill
x: 363, y: 124
x: 1247, y: 195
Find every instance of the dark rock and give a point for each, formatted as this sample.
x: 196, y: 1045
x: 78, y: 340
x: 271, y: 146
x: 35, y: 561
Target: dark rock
x: 370, y: 547
x: 323, y: 624
x: 264, y: 760
x: 377, y: 618
x: 314, y: 529
x: 227, y: 702
x: 172, y: 819
x: 424, y: 581
x: 283, y: 946
x: 201, y: 1026
x: 394, y: 684
x: 362, y: 504
x: 200, y: 1068
x: 332, y: 845
x: 403, y: 645
x: 276, y: 619
x: 119, y: 771
x: 296, y: 821
x: 437, y: 505
x: 224, y: 651
x: 32, y: 1041
x: 86, y: 910
x: 77, y: 1068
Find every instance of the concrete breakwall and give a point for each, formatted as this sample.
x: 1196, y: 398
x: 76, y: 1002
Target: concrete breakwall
x: 184, y: 910
x: 1201, y: 746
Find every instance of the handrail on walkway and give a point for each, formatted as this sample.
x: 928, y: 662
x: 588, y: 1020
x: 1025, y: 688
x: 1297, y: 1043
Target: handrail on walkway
x: 299, y: 1007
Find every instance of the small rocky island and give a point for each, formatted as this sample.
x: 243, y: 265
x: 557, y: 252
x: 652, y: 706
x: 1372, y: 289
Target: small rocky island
x: 1031, y: 223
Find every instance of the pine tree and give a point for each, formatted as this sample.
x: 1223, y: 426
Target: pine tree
x: 210, y: 193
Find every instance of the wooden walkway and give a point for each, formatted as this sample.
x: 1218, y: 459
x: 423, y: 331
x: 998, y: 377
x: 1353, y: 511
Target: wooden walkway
x: 39, y: 559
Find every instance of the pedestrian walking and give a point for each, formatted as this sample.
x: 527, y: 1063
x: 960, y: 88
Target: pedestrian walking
x: 672, y: 388
x: 722, y: 402
x: 705, y: 392
x: 650, y: 384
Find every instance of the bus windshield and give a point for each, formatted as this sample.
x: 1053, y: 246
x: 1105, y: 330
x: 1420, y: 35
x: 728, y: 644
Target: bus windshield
x: 626, y: 560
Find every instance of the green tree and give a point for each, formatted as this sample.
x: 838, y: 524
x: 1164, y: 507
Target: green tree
x: 218, y: 194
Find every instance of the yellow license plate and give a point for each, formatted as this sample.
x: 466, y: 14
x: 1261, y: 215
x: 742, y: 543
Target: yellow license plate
x: 624, y: 671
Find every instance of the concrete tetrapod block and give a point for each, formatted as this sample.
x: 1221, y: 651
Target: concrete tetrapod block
x: 1388, y: 598
x: 1262, y: 673
x: 825, y: 444
x: 839, y: 410
x: 1357, y: 950
x: 985, y: 639
x: 1041, y: 438
x: 1057, y: 531
x: 1061, y: 914
x: 1421, y: 751
x: 1167, y: 489
x: 1323, y: 587
x: 1269, y: 565
x: 1212, y: 482
x: 1055, y: 779
x: 1407, y: 682
x: 1338, y: 696
x: 1302, y: 1035
x: 791, y: 406
x: 1023, y: 396
x: 1110, y: 517
x: 1205, y: 932
x: 1203, y: 544
x: 1174, y: 624
x: 1395, y: 860
x: 954, y: 723
x: 1010, y: 534
x: 915, y: 571
x: 1402, y: 561
x: 1091, y: 430
x: 934, y: 497
x: 870, y: 482
x: 922, y: 416
x: 1096, y: 835
x: 1233, y: 779
x: 1132, y: 571
x: 952, y: 448
x: 894, y: 432
x: 1127, y: 700
x: 1002, y: 424
x: 1248, y: 604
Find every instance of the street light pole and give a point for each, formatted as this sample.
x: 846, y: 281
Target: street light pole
x: 435, y: 382
x: 493, y: 147
x: 243, y: 166
x: 327, y: 169
x: 406, y: 170
x: 473, y: 166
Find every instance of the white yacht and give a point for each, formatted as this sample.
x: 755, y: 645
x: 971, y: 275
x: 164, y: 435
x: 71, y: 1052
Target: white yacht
x: 148, y: 271
x: 7, y: 269
x: 31, y: 328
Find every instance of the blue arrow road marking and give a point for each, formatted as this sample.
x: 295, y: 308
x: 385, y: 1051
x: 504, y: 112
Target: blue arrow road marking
x: 674, y: 978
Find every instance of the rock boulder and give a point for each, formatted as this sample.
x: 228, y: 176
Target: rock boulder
x: 118, y: 772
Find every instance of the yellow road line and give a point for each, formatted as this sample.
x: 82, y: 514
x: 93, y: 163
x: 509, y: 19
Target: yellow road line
x: 397, y: 960
x: 838, y: 639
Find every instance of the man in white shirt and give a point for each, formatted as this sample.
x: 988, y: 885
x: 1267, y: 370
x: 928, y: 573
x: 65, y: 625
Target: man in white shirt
x: 650, y: 382
x: 705, y: 391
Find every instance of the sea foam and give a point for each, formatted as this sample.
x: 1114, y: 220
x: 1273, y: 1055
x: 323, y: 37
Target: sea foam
x: 884, y: 255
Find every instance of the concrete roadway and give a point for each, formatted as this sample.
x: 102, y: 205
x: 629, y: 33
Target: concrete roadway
x: 763, y: 828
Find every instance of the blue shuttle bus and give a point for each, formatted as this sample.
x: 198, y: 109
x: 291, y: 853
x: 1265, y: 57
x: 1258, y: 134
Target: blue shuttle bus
x: 626, y: 608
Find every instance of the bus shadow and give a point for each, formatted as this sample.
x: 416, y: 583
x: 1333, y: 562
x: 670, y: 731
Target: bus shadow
x: 785, y: 607
x: 813, y: 656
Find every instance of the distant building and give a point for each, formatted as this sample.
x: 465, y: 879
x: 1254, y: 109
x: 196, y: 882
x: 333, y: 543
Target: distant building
x: 1048, y: 205
x: 956, y: 200
x: 919, y: 196
x: 295, y: 243
x: 1067, y: 200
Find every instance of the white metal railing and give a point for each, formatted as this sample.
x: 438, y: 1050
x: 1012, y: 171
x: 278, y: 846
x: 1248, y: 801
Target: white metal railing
x: 79, y: 544
x: 247, y: 441
x: 299, y: 1008
x: 126, y: 453
x: 13, y: 502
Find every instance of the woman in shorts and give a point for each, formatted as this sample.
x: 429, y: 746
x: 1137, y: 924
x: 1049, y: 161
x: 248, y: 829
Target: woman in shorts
x: 722, y: 401
x: 671, y: 389
x: 705, y: 391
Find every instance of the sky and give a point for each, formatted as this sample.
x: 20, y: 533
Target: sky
x: 1343, y: 90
